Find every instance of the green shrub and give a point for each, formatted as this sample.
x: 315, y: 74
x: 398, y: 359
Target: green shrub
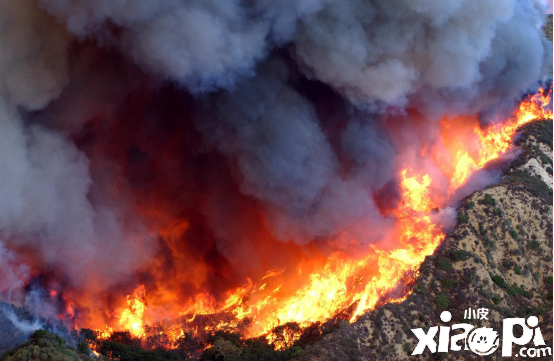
x: 424, y: 269
x: 441, y: 301
x: 462, y: 217
x: 470, y: 205
x: 545, y: 159
x: 487, y: 242
x: 44, y: 345
x: 533, y: 245
x: 549, y: 280
x: 489, y: 200
x: 460, y: 255
x: 499, y: 281
x: 47, y: 337
x: 497, y: 212
x: 532, y: 184
x: 518, y: 270
x: 447, y: 283
x: 82, y: 347
x: 443, y: 263
x: 526, y: 273
x: 124, y: 352
x: 524, y: 311
x: 296, y: 351
x: 515, y: 252
x: 513, y: 290
x: 496, y: 299
x: 482, y: 230
x: 525, y: 293
x: 407, y: 348
x: 514, y: 234
x: 544, y: 308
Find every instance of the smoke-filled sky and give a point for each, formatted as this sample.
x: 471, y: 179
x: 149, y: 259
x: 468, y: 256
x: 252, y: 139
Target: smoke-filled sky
x: 185, y: 137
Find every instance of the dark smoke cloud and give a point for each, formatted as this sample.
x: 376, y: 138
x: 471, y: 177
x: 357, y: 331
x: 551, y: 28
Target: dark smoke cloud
x: 284, y: 158
x: 369, y: 50
x: 251, y: 120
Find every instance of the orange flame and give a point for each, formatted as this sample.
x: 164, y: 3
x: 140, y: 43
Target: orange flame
x: 471, y: 152
x: 320, y: 288
x: 132, y: 318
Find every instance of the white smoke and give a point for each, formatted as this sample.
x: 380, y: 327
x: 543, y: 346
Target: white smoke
x: 13, y: 273
x: 22, y: 325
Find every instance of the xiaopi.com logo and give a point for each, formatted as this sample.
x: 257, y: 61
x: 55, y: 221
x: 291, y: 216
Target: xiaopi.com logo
x: 482, y: 341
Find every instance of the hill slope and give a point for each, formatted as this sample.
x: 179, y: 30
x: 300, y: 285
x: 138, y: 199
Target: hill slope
x: 499, y: 257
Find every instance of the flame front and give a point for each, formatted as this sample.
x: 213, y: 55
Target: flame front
x: 322, y: 287
x: 470, y: 152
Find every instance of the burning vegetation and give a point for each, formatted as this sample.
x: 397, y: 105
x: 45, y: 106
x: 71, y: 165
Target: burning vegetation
x: 341, y: 287
x: 260, y: 320
x: 185, y: 178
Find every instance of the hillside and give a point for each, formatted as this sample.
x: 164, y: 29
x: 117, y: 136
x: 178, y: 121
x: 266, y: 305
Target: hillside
x: 11, y: 335
x: 44, y: 346
x: 499, y: 256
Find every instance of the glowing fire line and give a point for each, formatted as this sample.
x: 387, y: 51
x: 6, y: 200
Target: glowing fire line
x: 361, y: 283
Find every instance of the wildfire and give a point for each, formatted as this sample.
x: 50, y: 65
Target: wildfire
x: 319, y: 289
x: 70, y: 309
x: 132, y: 318
x: 471, y: 152
x: 105, y: 333
x: 415, y: 193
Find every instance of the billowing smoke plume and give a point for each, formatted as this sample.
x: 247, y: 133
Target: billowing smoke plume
x: 182, y: 138
x: 368, y: 50
x: 285, y: 160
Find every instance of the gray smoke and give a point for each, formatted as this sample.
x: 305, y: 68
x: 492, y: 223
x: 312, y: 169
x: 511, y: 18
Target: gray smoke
x: 12, y: 274
x: 44, y: 192
x: 315, y: 174
x: 368, y: 50
x: 285, y: 160
x: 33, y: 61
x: 25, y: 326
x: 45, y: 182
